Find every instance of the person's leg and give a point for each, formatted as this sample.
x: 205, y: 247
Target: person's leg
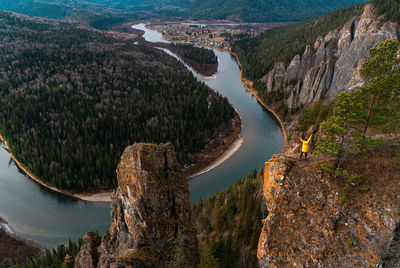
x: 305, y: 155
x: 301, y: 155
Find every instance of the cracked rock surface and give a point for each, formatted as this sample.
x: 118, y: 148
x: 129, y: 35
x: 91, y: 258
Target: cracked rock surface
x: 149, y: 208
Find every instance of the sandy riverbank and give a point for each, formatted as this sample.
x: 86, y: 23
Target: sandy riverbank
x: 26, y: 170
x: 225, y: 156
x: 99, y: 197
x: 106, y: 196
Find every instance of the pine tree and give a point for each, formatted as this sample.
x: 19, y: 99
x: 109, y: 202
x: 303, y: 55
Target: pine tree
x: 381, y: 74
x: 340, y: 125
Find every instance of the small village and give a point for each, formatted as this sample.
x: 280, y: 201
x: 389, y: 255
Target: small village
x: 217, y: 34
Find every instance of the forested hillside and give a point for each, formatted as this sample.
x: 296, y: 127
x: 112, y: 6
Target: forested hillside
x: 258, y: 54
x: 93, y: 14
x: 34, y: 8
x: 72, y: 99
x: 389, y: 7
x: 262, y: 10
x: 258, y: 10
x: 241, y: 10
x: 228, y: 224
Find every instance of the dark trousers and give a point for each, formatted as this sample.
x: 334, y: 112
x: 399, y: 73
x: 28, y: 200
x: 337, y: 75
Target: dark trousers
x: 301, y: 155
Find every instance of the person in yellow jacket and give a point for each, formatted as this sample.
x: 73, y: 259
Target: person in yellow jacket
x: 304, y: 148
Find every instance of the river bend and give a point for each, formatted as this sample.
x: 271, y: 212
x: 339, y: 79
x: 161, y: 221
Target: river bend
x: 50, y: 218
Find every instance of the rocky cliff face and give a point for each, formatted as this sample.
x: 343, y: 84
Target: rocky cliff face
x: 333, y: 63
x: 149, y: 209
x: 309, y: 225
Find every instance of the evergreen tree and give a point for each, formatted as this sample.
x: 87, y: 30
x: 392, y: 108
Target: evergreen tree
x: 375, y: 105
x: 239, y: 220
x: 207, y: 260
x: 179, y: 258
x: 347, y: 112
x: 381, y: 74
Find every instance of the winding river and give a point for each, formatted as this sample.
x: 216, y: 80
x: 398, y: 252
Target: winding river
x: 49, y: 218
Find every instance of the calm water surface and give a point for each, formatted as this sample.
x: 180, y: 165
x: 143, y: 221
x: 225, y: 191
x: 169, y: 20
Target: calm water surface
x: 50, y: 218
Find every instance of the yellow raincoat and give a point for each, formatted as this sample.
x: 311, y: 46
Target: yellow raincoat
x: 304, y: 149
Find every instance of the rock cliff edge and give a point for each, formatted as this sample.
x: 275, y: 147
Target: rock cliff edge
x: 310, y: 225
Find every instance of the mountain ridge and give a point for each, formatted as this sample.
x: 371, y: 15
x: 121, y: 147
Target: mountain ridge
x: 243, y: 10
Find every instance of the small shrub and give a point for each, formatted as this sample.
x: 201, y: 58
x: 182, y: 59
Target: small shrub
x: 352, y: 180
x: 365, y: 188
x: 326, y: 167
x: 350, y: 241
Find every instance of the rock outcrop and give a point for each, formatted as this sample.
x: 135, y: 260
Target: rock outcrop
x: 149, y: 209
x: 309, y: 225
x: 87, y: 255
x: 333, y: 64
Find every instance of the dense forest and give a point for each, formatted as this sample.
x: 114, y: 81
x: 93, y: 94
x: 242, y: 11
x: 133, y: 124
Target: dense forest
x: 34, y: 8
x: 258, y: 54
x: 264, y: 11
x: 72, y: 99
x: 255, y: 11
x: 202, y: 60
x: 229, y: 223
x: 241, y: 10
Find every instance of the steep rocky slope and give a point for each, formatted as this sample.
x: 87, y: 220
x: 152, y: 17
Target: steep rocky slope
x: 332, y: 64
x: 309, y: 225
x: 318, y: 218
x: 149, y: 209
x: 13, y: 249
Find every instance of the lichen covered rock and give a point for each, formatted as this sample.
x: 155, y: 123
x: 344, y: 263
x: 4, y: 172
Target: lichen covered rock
x: 87, y: 256
x: 310, y: 225
x: 149, y: 208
